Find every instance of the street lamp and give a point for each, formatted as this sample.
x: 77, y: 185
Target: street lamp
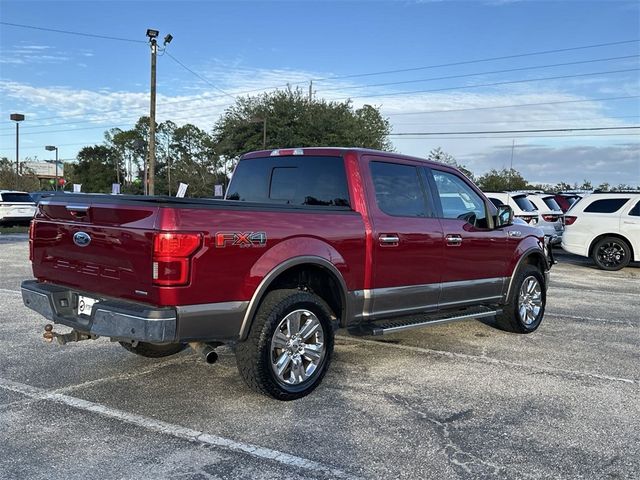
x: 51, y: 148
x: 17, y: 117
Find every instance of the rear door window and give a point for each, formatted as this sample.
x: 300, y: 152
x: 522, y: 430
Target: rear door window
x: 635, y: 211
x: 606, y: 205
x: 292, y: 180
x: 399, y: 190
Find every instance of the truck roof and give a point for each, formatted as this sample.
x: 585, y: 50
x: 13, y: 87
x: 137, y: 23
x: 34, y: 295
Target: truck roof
x: 334, y: 151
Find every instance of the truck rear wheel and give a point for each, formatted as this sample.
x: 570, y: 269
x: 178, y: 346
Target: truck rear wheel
x: 289, y: 347
x: 526, y: 303
x: 153, y: 350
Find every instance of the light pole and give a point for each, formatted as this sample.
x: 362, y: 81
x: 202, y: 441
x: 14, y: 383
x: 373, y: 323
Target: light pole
x: 17, y: 117
x: 153, y: 34
x: 51, y: 148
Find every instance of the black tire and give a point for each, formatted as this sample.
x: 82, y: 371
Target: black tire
x: 611, y: 253
x: 254, y: 355
x: 511, y: 319
x: 153, y: 350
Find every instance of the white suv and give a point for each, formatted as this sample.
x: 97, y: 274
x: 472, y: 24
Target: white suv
x: 519, y: 203
x: 551, y: 216
x: 606, y: 227
x: 16, y: 207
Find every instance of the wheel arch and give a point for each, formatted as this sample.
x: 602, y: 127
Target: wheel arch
x: 314, y: 273
x: 615, y: 235
x: 534, y: 257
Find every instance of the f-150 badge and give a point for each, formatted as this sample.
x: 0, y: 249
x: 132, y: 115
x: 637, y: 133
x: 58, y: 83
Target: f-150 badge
x: 241, y: 239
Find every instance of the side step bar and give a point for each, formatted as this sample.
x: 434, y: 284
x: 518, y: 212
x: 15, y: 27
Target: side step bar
x: 382, y: 327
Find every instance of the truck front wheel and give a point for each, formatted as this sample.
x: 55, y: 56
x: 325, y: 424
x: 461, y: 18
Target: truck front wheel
x: 289, y: 346
x: 525, y: 306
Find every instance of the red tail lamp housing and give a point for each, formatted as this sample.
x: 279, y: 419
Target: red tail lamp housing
x: 172, y: 253
x: 569, y: 220
x: 31, y: 237
x: 550, y: 218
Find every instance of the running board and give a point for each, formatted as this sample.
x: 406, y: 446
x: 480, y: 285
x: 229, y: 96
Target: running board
x: 382, y: 327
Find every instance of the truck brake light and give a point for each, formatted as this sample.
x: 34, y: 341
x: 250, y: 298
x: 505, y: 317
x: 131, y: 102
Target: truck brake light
x: 172, y: 252
x: 287, y: 151
x: 569, y: 220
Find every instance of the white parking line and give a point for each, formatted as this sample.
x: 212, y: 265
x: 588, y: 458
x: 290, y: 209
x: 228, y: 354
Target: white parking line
x: 589, y: 319
x: 176, y: 430
x: 489, y: 360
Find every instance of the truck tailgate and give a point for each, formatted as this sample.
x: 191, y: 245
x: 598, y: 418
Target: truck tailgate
x: 116, y: 259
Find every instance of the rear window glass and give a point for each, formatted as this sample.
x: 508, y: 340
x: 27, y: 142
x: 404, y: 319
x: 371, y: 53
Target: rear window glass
x: 295, y: 180
x: 496, y: 202
x: 524, y: 204
x: 606, y: 205
x: 635, y: 211
x: 551, y: 203
x: 16, y: 197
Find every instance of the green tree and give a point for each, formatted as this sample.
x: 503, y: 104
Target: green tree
x: 27, y: 181
x: 294, y: 121
x: 96, y: 169
x: 501, y: 180
x: 439, y: 155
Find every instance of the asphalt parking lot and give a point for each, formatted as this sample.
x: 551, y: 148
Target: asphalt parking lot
x: 463, y: 400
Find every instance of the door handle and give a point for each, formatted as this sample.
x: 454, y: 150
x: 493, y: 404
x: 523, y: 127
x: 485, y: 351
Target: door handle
x: 389, y: 239
x: 454, y: 240
x: 627, y: 222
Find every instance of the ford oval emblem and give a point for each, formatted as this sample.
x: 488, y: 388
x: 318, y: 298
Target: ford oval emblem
x: 81, y: 239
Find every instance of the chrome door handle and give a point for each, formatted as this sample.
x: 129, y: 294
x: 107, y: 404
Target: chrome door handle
x: 454, y: 240
x: 389, y: 239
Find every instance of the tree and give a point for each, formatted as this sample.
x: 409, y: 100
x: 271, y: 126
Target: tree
x: 505, y: 179
x: 603, y: 187
x: 27, y: 181
x: 292, y: 120
x: 439, y: 155
x: 96, y: 169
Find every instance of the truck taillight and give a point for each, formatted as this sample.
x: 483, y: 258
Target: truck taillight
x: 172, y: 252
x: 287, y: 151
x: 569, y: 220
x: 31, y: 235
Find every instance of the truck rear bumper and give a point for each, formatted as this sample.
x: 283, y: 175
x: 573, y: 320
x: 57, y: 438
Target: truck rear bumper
x: 135, y: 321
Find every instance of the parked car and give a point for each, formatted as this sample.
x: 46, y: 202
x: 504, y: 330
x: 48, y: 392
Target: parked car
x: 16, y: 208
x: 519, y: 203
x: 551, y: 217
x: 605, y: 227
x: 566, y: 200
x: 307, y: 241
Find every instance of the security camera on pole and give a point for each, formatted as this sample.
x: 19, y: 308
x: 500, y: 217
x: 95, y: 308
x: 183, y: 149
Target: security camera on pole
x: 153, y: 34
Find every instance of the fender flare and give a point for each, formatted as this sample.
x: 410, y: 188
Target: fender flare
x: 527, y: 254
x: 266, y: 282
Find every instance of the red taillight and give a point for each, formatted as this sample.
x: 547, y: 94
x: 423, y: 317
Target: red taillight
x: 171, y: 257
x: 569, y: 220
x: 31, y: 235
x: 529, y: 219
x: 550, y: 218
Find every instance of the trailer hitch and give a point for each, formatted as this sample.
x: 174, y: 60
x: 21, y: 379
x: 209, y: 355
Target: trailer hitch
x: 64, y: 338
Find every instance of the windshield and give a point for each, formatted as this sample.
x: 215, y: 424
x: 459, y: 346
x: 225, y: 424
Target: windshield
x: 16, y: 197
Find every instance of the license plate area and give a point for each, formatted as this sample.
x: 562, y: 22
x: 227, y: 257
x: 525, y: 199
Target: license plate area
x: 85, y: 304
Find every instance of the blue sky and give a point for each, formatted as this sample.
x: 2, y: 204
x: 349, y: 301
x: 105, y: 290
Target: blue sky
x: 72, y: 88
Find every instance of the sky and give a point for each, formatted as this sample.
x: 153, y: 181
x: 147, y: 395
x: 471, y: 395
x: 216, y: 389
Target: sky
x: 430, y: 66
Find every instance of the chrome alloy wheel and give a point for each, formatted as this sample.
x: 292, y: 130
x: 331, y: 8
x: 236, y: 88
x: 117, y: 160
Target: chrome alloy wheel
x: 530, y: 300
x: 297, y: 347
x: 611, y: 254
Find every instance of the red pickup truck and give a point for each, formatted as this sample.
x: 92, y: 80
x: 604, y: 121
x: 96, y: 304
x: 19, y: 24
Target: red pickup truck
x: 306, y: 241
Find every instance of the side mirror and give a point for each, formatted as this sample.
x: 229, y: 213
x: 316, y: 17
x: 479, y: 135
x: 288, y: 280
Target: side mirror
x: 504, y: 216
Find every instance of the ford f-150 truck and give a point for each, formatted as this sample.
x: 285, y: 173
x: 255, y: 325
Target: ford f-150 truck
x: 305, y: 242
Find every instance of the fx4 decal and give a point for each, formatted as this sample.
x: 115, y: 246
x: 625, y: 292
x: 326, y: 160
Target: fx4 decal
x: 241, y: 239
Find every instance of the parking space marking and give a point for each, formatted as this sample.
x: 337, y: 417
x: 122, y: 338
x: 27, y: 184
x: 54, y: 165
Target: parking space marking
x: 490, y: 360
x: 590, y: 319
x: 176, y: 430
x: 6, y: 290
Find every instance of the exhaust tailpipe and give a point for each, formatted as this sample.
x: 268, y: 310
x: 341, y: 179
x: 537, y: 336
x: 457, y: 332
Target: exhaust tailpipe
x: 206, y: 351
